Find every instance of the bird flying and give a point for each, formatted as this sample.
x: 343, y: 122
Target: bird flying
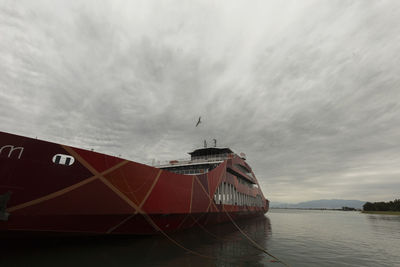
x: 198, y: 122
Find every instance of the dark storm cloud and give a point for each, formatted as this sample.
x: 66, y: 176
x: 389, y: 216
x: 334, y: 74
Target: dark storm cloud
x: 309, y: 90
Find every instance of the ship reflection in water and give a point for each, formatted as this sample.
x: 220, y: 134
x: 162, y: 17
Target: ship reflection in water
x: 223, y: 244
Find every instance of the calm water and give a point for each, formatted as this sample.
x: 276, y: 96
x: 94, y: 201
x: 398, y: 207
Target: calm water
x: 298, y: 237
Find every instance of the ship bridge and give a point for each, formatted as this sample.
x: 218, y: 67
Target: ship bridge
x: 211, y: 152
x: 201, y: 161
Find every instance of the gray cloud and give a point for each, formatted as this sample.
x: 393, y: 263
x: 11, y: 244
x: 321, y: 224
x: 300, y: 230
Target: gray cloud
x: 309, y: 90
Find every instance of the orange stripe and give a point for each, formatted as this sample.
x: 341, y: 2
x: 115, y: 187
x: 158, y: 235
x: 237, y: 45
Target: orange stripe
x: 205, y: 191
x: 140, y: 206
x: 64, y: 190
x: 150, y: 189
x: 181, y: 223
x: 80, y: 159
x: 89, y: 167
x: 121, y: 223
x: 52, y: 195
x: 196, y: 220
x: 119, y: 193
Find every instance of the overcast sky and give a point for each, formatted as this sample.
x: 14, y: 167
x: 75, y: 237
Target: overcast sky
x: 309, y: 90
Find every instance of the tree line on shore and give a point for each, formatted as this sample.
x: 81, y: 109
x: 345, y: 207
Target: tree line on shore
x: 383, y: 206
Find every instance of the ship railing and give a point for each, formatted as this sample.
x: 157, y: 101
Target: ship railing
x: 170, y: 163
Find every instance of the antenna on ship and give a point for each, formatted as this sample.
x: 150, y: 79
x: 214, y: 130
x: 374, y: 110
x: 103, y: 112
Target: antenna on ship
x: 215, y: 142
x: 205, y: 143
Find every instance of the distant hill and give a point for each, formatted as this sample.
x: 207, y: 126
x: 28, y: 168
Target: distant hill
x: 321, y: 204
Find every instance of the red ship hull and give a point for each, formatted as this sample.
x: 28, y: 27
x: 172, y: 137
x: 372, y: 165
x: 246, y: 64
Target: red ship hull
x: 102, y: 194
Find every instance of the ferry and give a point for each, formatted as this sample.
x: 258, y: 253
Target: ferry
x: 50, y: 188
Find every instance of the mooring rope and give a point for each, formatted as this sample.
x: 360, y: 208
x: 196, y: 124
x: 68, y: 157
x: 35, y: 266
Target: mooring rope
x: 255, y: 244
x: 210, y: 233
x: 157, y: 228
x: 243, y: 233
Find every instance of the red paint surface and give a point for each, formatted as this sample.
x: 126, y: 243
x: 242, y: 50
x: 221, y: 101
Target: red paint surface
x: 107, y: 203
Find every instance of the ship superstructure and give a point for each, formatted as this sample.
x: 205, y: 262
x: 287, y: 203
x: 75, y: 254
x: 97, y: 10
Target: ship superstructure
x: 204, y: 160
x: 201, y: 161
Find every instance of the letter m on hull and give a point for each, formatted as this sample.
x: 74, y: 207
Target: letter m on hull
x: 10, y: 149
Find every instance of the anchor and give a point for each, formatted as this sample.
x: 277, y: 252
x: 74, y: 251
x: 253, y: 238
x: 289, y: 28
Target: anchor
x: 3, y: 204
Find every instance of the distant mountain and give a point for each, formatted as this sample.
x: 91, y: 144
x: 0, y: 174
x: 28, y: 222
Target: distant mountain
x: 321, y: 204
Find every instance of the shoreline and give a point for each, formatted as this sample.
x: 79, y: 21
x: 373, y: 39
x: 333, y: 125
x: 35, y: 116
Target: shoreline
x: 382, y: 212
x: 311, y: 209
x: 361, y: 211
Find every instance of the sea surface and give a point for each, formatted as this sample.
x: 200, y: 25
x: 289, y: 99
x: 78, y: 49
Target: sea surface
x: 296, y: 237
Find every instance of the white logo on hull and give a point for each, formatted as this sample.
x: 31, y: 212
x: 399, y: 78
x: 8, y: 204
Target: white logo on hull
x: 12, y: 149
x: 63, y: 159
